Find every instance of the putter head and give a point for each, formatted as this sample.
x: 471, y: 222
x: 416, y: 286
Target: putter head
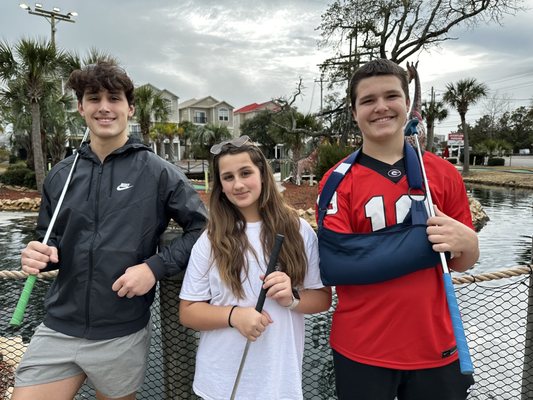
x: 411, y: 127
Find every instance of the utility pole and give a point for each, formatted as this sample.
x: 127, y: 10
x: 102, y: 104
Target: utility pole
x: 53, y: 17
x: 321, y: 80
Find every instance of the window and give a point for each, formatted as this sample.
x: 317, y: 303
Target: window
x: 223, y: 114
x: 168, y: 105
x: 135, y: 130
x: 199, y: 117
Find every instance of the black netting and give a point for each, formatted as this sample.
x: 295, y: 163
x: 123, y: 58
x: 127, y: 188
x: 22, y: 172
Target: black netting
x: 495, y: 316
x: 499, y: 331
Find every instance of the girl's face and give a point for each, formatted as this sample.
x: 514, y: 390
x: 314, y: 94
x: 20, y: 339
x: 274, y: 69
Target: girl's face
x: 241, y: 183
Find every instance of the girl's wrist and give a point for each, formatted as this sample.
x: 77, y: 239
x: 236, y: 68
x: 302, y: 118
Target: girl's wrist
x: 229, y: 316
x: 295, y: 300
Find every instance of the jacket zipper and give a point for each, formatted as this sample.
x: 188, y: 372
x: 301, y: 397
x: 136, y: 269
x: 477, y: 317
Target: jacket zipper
x: 91, y: 249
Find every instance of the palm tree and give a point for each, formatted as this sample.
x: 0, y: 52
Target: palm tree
x: 207, y: 135
x: 165, y: 131
x: 15, y: 110
x: 35, y: 66
x: 58, y: 122
x: 73, y: 61
x: 186, y: 130
x: 460, y: 96
x: 431, y: 111
x: 149, y: 106
x: 292, y: 128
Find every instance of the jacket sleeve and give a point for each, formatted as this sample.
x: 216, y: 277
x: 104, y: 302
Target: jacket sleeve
x: 183, y: 205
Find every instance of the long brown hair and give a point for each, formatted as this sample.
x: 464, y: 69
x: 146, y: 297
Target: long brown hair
x: 226, y: 227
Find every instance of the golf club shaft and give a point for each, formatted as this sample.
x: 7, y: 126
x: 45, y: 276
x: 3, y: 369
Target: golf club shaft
x: 18, y: 314
x: 259, y: 307
x: 465, y: 361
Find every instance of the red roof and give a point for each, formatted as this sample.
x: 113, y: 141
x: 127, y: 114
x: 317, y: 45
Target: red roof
x: 248, y: 108
x: 252, y: 107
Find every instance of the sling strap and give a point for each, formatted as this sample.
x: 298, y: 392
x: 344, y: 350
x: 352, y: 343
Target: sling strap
x: 391, y: 252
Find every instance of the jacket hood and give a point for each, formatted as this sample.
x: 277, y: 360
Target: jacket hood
x: 133, y: 144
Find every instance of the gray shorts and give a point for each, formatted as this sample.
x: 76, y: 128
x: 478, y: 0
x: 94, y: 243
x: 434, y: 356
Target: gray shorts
x: 114, y: 367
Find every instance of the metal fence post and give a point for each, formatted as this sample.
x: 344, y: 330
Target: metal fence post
x: 527, y: 374
x: 178, y: 342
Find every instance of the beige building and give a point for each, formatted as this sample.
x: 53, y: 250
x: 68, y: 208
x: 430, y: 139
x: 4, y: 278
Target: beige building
x: 207, y: 110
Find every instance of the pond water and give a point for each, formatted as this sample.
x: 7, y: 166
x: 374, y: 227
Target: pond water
x: 506, y: 240
x: 16, y: 229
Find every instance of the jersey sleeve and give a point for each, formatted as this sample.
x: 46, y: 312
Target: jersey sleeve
x: 338, y: 217
x: 449, y: 194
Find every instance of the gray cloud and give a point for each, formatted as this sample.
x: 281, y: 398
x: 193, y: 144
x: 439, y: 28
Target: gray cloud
x: 244, y: 52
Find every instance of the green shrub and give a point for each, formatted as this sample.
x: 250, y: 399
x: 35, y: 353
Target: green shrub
x: 328, y: 156
x: 478, y: 158
x: 19, y: 175
x: 4, y: 155
x: 495, y: 162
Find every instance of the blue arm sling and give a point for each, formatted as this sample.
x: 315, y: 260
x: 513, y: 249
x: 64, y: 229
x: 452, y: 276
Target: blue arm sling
x: 391, y: 252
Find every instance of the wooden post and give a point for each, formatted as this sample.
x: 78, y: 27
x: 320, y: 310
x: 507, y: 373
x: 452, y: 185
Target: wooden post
x: 527, y: 374
x: 179, y: 343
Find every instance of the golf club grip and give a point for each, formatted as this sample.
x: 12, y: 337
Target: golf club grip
x: 271, y: 266
x: 465, y: 361
x: 18, y: 314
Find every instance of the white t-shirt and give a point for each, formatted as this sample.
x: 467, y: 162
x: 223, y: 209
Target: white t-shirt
x: 273, y: 367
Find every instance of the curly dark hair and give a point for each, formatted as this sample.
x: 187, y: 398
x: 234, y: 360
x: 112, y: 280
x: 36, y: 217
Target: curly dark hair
x: 102, y: 75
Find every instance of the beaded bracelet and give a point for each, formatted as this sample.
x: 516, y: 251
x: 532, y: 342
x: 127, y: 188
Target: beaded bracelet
x: 229, y: 316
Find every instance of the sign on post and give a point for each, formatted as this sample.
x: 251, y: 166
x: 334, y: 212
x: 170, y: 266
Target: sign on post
x: 456, y: 139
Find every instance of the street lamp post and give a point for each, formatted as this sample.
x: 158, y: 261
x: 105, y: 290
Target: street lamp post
x: 53, y: 16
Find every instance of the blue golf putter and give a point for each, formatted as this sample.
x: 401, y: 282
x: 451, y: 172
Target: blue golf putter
x: 465, y: 361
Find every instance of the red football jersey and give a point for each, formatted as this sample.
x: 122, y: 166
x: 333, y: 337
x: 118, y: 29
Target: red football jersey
x: 402, y: 323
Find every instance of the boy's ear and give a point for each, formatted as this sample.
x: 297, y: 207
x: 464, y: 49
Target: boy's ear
x: 80, y: 109
x: 131, y: 111
x: 354, y: 114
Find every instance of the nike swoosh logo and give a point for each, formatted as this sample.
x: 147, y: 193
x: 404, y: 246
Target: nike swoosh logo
x: 124, y: 186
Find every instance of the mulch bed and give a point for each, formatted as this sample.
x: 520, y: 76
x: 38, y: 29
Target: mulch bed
x: 16, y: 193
x: 299, y: 197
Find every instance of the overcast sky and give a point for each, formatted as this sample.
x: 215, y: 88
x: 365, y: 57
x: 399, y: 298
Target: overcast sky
x: 246, y: 52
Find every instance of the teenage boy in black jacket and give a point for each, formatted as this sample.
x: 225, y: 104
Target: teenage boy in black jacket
x: 104, y: 243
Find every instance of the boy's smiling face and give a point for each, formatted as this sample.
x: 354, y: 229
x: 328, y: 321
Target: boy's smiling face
x: 106, y: 114
x: 380, y: 108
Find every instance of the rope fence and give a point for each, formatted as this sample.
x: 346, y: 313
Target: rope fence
x: 497, y: 311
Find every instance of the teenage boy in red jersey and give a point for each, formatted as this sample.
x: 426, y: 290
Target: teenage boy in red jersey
x: 394, y: 338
